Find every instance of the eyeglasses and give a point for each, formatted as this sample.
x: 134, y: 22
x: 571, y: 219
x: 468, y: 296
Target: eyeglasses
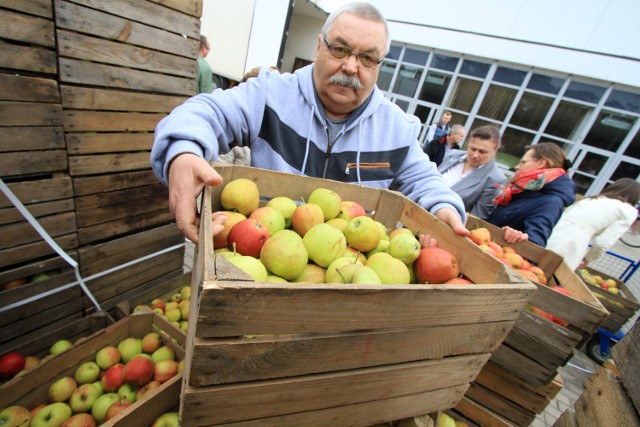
x: 339, y: 51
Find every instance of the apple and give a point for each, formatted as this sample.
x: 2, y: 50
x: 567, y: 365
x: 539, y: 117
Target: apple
x: 324, y: 244
x: 86, y: 373
x: 186, y: 292
x: 171, y: 305
x: 60, y: 346
x: 311, y: 273
x: 352, y: 252
x: 515, y: 259
x: 180, y: 366
x: 184, y: 310
x: 270, y: 218
x: 129, y: 347
x: 240, y: 195
x: 138, y: 371
x: 284, y: 254
x: 343, y: 273
x: 272, y: 278
x: 163, y: 353
x: 458, y: 281
x: 174, y: 314
x: 12, y: 284
x: 306, y: 216
x: 11, y: 363
x: 350, y: 209
x: 151, y: 342
x: 339, y: 262
x: 37, y: 409
x: 247, y: 237
x: 383, y: 246
x: 112, y: 378
x: 497, y: 249
x: 176, y: 297
x: 128, y: 391
x: 168, y: 419
x: 328, y: 200
x: 526, y: 274
x: 435, y: 265
x: 81, y: 420
x: 400, y: 230
x: 107, y: 357
x: 362, y: 233
x: 30, y: 362
x: 480, y: 236
x: 366, y: 275
x: 539, y: 274
x: 141, y: 307
x: 98, y: 385
x: 83, y: 397
x: 383, y: 230
x: 54, y: 414
x: 508, y: 249
x: 339, y: 223
x: 488, y: 249
x: 116, y: 408
x: 390, y: 270
x: 157, y: 303
x: 220, y: 239
x: 62, y: 389
x: 165, y: 370
x: 15, y: 416
x: 404, y: 247
x: 250, y: 265
x: 184, y: 325
x: 143, y: 391
x: 101, y: 406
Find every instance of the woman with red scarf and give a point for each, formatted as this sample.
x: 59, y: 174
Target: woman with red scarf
x: 533, y: 200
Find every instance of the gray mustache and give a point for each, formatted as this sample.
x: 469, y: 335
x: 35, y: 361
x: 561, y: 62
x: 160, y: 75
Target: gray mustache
x: 346, y: 80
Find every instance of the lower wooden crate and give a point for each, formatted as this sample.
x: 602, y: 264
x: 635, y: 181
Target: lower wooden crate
x: 161, y: 289
x: 31, y: 389
x: 621, y: 307
x: 328, y: 354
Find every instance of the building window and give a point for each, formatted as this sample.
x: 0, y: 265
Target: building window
x: 509, y: 76
x: 386, y: 74
x: 444, y: 62
x: 407, y: 80
x: 546, y: 84
x: 567, y: 120
x: 633, y: 150
x: 394, y: 52
x: 608, y: 131
x: 415, y: 57
x: 584, y: 92
x: 497, y: 102
x: 465, y: 93
x: 624, y: 101
x: 531, y: 111
x: 434, y: 87
x: 474, y: 68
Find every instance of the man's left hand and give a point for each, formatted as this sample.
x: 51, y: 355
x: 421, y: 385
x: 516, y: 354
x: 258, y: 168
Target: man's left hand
x: 453, y: 220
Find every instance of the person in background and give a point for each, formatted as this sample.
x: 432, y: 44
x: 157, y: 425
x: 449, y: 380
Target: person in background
x: 597, y: 220
x: 438, y: 130
x: 326, y: 120
x: 438, y: 149
x: 255, y: 71
x: 532, y: 201
x: 205, y: 75
x: 473, y: 173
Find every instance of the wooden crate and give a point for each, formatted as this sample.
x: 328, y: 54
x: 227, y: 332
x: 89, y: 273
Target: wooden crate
x: 536, y: 347
x: 31, y: 389
x: 339, y: 354
x: 621, y: 307
x: 160, y: 289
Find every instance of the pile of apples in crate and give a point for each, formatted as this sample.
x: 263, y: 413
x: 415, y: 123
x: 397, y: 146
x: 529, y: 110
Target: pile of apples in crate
x: 609, y: 285
x: 175, y: 309
x: 101, y: 388
x: 322, y: 240
x: 481, y: 236
x: 14, y: 363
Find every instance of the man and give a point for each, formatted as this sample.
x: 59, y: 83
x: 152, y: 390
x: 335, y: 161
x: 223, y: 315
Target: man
x: 205, y: 75
x: 438, y: 149
x: 473, y: 173
x: 326, y: 120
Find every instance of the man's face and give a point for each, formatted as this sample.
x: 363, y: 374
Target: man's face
x: 480, y: 151
x: 455, y: 138
x: 446, y: 118
x: 361, y: 36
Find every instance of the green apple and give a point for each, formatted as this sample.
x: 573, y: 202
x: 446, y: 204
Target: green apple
x: 250, y: 265
x: 337, y: 263
x: 186, y: 292
x: 168, y: 419
x: 383, y: 246
x: 151, y: 342
x: 165, y: 370
x: 15, y: 416
x: 98, y: 385
x: 286, y: 206
x: 129, y: 347
x: 62, y: 389
x: 328, y: 200
x: 404, y: 247
x: 83, y: 397
x: 60, y: 346
x: 184, y: 325
x: 324, y: 244
x: 81, y: 420
x: 270, y: 218
x: 390, y: 270
x: 54, y: 414
x: 128, y: 391
x: 344, y: 273
x: 240, y: 195
x: 163, y: 353
x: 312, y: 273
x: 383, y: 230
x: 366, y: 275
x: 339, y: 223
x: 86, y: 373
x: 175, y: 315
x: 306, y: 216
x: 284, y: 254
x: 101, y: 406
x: 362, y: 233
x: 271, y: 278
x: 107, y: 356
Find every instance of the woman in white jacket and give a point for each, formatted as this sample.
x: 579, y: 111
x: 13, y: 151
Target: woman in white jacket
x: 598, y: 220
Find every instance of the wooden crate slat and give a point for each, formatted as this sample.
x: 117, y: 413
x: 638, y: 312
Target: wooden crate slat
x: 308, y: 393
x: 544, y: 354
x: 520, y: 395
x: 625, y: 354
x: 86, y: 98
x: 39, y: 266
x: 33, y: 162
x: 78, y: 46
x: 28, y: 58
x: 26, y: 28
x: 122, y: 226
x: 29, y: 114
x: 105, y: 163
x: 500, y: 405
x: 29, y: 89
x: 32, y: 251
x: 9, y: 215
x: 31, y: 138
x: 90, y: 21
x: 116, y: 198
x: 79, y: 143
x: 227, y: 361
x: 549, y: 391
x: 190, y: 7
x: 54, y: 188
x: 549, y: 333
x: 114, y: 212
x: 43, y: 8
x: 85, y: 185
x: 523, y: 366
x: 22, y: 233
x: 101, y: 121
x: 480, y: 414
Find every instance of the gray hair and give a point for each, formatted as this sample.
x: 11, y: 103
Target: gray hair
x: 363, y: 10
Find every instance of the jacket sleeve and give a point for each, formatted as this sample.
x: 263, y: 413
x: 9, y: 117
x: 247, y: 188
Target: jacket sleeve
x: 540, y: 222
x: 607, y: 238
x: 431, y: 131
x: 207, y: 124
x: 484, y: 206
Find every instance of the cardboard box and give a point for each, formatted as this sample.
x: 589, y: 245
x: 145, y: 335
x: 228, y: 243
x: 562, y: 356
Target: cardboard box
x: 328, y: 354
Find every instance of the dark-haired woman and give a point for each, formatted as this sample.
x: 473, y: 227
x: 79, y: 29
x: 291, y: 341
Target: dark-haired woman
x: 532, y: 201
x: 600, y: 220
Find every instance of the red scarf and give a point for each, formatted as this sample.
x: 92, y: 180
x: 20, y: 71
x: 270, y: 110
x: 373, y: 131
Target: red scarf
x: 532, y: 180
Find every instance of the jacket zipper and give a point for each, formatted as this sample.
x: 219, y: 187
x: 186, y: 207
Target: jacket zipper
x: 378, y: 165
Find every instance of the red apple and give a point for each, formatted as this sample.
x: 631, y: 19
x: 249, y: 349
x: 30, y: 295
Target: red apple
x: 165, y: 370
x: 270, y: 218
x: 107, y: 357
x: 305, y: 217
x: 81, y: 420
x: 458, y: 281
x: 143, y: 391
x: 435, y: 265
x: 15, y: 416
x: 151, y: 342
x: 11, y: 363
x: 112, y: 378
x: 248, y: 236
x: 138, y: 371
x: 480, y: 236
x: 115, y: 408
x: 220, y: 239
x: 157, y: 303
x: 350, y: 210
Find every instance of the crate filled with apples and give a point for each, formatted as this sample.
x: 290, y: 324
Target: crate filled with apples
x: 616, y: 297
x: 318, y: 294
x: 102, y: 379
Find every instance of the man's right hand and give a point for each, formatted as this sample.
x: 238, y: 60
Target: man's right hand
x: 188, y: 174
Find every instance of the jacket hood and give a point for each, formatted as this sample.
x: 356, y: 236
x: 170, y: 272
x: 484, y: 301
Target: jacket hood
x: 562, y: 187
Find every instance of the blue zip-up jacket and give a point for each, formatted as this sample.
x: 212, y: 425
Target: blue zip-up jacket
x: 536, y: 212
x: 281, y: 119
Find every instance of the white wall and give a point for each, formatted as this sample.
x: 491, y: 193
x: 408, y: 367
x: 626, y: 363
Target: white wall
x: 302, y: 41
x: 266, y: 33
